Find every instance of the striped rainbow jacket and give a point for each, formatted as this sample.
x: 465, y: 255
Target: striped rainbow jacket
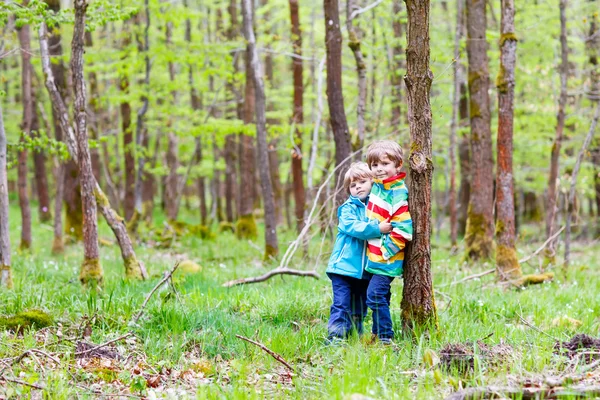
x: 389, y: 199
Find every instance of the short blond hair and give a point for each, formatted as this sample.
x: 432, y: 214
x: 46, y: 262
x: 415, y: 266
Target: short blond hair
x: 358, y: 170
x: 380, y: 148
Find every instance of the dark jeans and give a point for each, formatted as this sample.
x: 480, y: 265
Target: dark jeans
x: 378, y: 300
x: 349, y: 306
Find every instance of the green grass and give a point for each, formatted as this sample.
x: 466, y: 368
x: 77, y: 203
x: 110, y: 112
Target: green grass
x: 195, y: 331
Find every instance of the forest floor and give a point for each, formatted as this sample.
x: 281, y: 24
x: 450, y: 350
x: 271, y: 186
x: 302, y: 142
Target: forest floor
x: 491, y: 338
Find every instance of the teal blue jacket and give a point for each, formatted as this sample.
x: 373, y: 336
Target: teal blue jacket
x: 349, y: 254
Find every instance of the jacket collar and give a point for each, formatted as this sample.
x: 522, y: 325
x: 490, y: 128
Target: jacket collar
x: 356, y: 200
x: 391, y: 182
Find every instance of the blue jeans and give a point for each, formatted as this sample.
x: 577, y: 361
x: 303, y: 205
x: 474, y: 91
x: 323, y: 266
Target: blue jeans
x: 378, y: 299
x: 349, y: 306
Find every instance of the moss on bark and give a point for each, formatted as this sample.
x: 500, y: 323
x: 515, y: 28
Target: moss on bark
x: 58, y: 246
x: 507, y: 263
x: 6, y: 276
x: 507, y: 36
x: 74, y: 224
x: 479, y: 245
x: 270, y: 253
x: 245, y: 227
x: 91, y: 273
x: 501, y: 82
x: 132, y: 268
x: 533, y: 279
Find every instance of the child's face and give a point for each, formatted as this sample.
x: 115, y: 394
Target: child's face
x: 361, y: 188
x: 385, y: 168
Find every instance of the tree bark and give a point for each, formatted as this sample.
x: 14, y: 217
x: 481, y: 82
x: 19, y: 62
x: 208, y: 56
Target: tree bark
x: 551, y: 208
x: 28, y: 111
x: 335, y: 98
x: 464, y: 155
x: 418, y: 304
x: 480, y: 222
x: 171, y: 184
x: 133, y: 267
x: 271, y: 246
x: 128, y: 144
x: 5, y: 270
x: 276, y: 180
x: 39, y: 162
x: 94, y: 113
x: 593, y: 51
x: 397, y: 67
x: 507, y: 262
x: 454, y: 125
x: 298, y: 118
x: 361, y: 69
x: 91, y: 270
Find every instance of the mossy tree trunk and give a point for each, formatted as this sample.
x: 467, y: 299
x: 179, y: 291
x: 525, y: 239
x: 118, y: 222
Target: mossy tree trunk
x: 298, y: 117
x: 5, y: 270
x: 552, y: 193
x: 91, y: 270
x: 418, y: 303
x: 335, y: 97
x: 271, y: 245
x: 480, y: 223
x: 361, y: 69
x: 507, y: 263
x: 28, y: 110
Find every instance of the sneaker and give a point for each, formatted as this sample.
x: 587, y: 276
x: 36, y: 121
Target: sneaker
x: 334, y: 341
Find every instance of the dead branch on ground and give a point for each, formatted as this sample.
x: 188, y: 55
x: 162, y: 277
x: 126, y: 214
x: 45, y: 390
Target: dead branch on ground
x: 265, y: 348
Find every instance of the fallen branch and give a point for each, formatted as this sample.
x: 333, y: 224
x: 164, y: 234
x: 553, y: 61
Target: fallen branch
x: 542, y: 247
x: 33, y: 385
x: 529, y: 324
x: 165, y: 278
x: 18, y: 359
x: 265, y: 348
x: 270, y: 274
x: 80, y: 353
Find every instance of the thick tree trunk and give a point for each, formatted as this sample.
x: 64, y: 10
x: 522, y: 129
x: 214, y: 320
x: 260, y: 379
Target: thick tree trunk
x: 361, y: 69
x: 454, y: 126
x: 480, y: 221
x: 128, y: 144
x: 507, y: 262
x: 39, y: 162
x: 418, y: 304
x: 298, y: 117
x: 91, y: 270
x: 464, y: 155
x: 335, y: 98
x: 133, y: 267
x: 271, y: 246
x: 551, y: 208
x: 28, y: 111
x: 172, y: 180
x: 5, y: 270
x: 397, y: 66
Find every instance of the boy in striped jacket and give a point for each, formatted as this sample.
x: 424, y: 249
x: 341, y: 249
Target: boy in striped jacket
x: 388, y: 202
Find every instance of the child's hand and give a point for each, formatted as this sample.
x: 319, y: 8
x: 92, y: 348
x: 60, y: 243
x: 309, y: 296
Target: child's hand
x: 385, y: 226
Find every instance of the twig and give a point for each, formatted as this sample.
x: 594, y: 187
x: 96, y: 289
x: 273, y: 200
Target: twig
x: 356, y: 13
x: 166, y: 277
x: 271, y: 352
x: 17, y: 359
x: 33, y: 385
x: 542, y: 247
x: 590, y: 366
x: 270, y: 274
x: 529, y: 324
x: 79, y: 353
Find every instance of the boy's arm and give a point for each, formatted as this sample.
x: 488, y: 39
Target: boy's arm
x: 352, y: 226
x: 402, y: 229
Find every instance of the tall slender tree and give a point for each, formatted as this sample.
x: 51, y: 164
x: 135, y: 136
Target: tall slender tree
x: 271, y: 246
x: 480, y: 223
x: 418, y: 304
x: 172, y: 180
x: 5, y: 270
x: 91, y: 270
x: 361, y: 69
x: 39, y: 164
x: 397, y: 66
x: 507, y: 262
x: 298, y: 117
x: 335, y: 97
x: 28, y: 111
x: 126, y: 126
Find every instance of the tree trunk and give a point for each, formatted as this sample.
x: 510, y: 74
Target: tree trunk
x: 298, y: 118
x: 39, y: 162
x: 271, y: 246
x: 593, y: 51
x: 172, y: 146
x: 28, y: 111
x: 574, y: 174
x: 464, y: 155
x: 335, y: 98
x: 94, y: 113
x: 507, y: 262
x: 276, y: 180
x: 418, y: 304
x: 551, y: 208
x: 397, y: 68
x: 361, y: 69
x: 454, y: 126
x: 5, y: 271
x: 128, y: 147
x: 133, y: 267
x: 480, y: 221
x: 91, y: 270
x: 230, y: 177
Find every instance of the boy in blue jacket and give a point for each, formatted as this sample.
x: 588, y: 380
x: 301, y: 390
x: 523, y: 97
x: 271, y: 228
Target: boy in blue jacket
x: 346, y: 265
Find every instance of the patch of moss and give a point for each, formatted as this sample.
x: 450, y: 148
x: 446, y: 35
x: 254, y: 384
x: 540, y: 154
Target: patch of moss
x: 474, y: 109
x: 6, y: 276
x: 507, y: 36
x: 91, y: 273
x: 534, y: 279
x: 479, y: 245
x: 507, y: 263
x: 270, y: 252
x: 132, y: 268
x: 226, y: 227
x: 246, y: 227
x: 32, y: 319
x: 74, y: 225
x: 501, y: 82
x: 203, y: 231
